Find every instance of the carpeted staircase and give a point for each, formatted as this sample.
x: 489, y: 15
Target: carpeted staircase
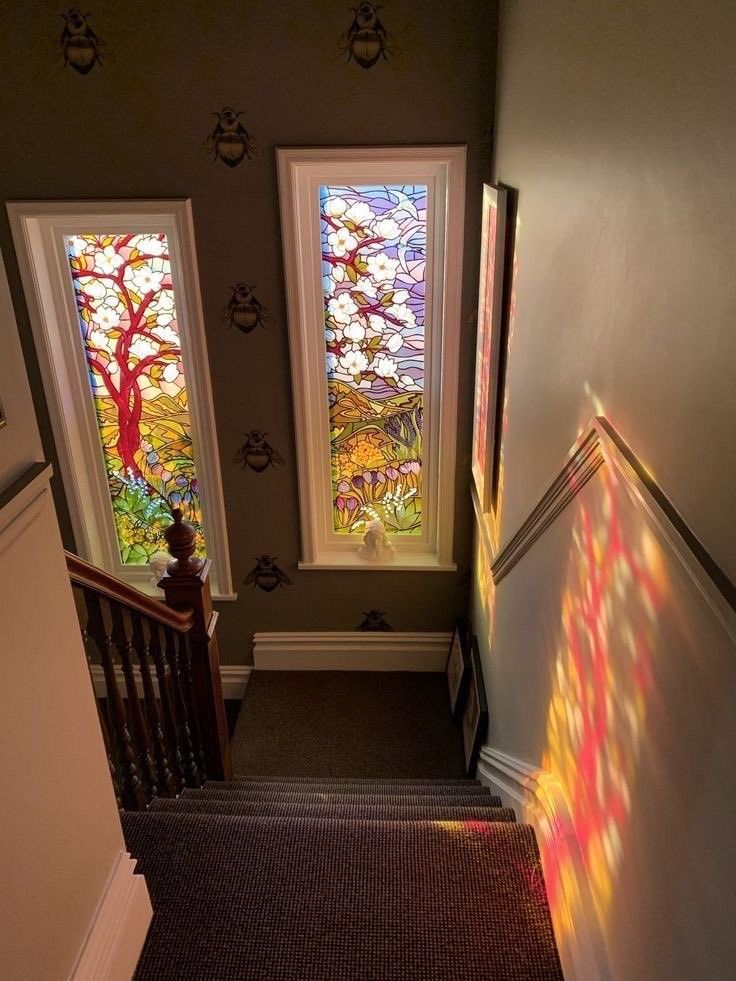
x: 308, y: 880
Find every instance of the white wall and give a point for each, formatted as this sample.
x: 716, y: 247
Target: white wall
x: 615, y: 121
x: 60, y: 835
x: 603, y: 665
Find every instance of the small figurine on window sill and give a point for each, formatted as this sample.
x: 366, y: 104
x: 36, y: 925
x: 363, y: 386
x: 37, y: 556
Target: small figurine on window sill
x: 157, y: 565
x: 376, y: 546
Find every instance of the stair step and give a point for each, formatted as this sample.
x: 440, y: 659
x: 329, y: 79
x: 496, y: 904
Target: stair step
x: 360, y: 781
x: 263, y: 898
x: 358, y: 810
x: 316, y: 797
x: 330, y: 787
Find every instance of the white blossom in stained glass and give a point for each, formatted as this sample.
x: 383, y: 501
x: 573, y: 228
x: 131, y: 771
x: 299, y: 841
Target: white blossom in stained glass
x: 373, y: 241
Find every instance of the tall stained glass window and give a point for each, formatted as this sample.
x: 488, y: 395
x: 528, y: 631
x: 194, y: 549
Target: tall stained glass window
x: 127, y: 317
x: 373, y: 247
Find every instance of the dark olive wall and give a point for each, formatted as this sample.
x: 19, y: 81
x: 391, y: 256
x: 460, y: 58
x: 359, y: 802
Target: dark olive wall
x: 135, y: 127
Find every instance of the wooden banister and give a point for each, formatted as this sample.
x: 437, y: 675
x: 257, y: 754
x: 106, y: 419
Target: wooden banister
x: 170, y: 731
x: 88, y: 576
x: 186, y: 587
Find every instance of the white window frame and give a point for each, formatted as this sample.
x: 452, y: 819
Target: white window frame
x: 38, y: 229
x: 301, y: 173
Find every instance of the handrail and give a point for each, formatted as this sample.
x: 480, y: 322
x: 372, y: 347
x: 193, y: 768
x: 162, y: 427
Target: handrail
x: 165, y: 718
x: 84, y: 574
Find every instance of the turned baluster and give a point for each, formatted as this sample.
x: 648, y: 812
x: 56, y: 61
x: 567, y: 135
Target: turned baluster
x: 124, y: 647
x: 186, y: 586
x: 167, y: 784
x: 133, y: 792
x: 103, y: 724
x: 167, y: 709
x: 106, y: 741
x: 185, y: 671
x: 189, y: 763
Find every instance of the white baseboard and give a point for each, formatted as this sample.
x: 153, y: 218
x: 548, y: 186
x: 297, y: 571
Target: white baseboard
x: 539, y: 800
x: 118, y: 931
x: 350, y: 651
x: 234, y: 680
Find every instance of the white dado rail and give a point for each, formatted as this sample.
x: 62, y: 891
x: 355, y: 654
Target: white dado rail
x: 600, y: 444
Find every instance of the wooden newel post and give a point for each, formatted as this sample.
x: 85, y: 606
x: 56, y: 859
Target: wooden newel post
x: 186, y: 587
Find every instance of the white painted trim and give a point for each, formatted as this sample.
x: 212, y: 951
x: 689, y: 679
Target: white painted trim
x: 38, y: 228
x: 113, y: 944
x: 22, y: 500
x: 301, y: 172
x: 402, y: 562
x: 580, y: 464
x: 718, y: 592
x: 539, y: 800
x: 599, y: 444
x: 350, y: 651
x: 234, y: 679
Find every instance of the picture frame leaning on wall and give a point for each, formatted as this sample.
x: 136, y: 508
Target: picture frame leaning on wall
x: 457, y: 668
x: 488, y: 340
x: 475, y: 715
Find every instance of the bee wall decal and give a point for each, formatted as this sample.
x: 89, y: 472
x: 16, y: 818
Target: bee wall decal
x: 374, y: 620
x: 366, y: 40
x: 244, y: 311
x: 256, y: 453
x: 80, y: 45
x: 230, y: 141
x: 266, y: 575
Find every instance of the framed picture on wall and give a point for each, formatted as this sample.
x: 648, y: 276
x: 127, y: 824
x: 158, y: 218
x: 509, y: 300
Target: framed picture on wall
x: 488, y: 343
x: 458, y: 667
x: 475, y: 716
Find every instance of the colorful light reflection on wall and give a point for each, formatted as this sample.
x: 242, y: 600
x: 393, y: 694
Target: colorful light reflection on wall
x: 373, y: 241
x: 601, y: 684
x: 127, y: 316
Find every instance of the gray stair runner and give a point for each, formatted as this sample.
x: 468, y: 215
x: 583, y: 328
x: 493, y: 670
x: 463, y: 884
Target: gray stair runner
x: 374, y: 811
x: 344, y: 787
x: 284, y: 797
x: 359, y: 781
x: 286, y: 899
x: 293, y: 879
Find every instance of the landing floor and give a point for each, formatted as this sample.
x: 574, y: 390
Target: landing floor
x: 347, y: 723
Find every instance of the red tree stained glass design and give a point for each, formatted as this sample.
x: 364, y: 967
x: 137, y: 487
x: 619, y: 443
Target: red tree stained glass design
x: 373, y: 242
x: 127, y: 316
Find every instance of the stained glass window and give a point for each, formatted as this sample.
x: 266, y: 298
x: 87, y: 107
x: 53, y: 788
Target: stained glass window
x: 127, y: 316
x: 373, y: 241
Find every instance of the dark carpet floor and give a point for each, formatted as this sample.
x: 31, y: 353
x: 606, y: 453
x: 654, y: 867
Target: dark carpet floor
x: 347, y: 723
x: 349, y: 848
x: 245, y: 898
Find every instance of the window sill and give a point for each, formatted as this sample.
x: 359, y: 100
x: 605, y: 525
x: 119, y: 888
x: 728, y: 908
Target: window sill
x: 143, y: 581
x: 408, y: 562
